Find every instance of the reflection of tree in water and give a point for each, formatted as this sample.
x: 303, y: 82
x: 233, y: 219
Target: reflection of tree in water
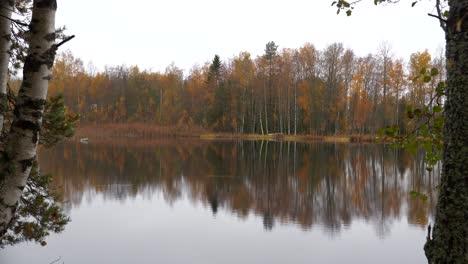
x: 38, y: 213
x: 306, y: 184
x: 268, y: 221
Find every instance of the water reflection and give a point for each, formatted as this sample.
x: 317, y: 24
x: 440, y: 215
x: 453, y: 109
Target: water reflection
x: 284, y: 183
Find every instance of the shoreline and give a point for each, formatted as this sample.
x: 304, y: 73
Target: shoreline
x: 144, y: 131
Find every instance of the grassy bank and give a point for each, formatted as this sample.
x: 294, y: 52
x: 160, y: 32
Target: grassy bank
x: 291, y: 138
x: 145, y: 131
x: 136, y: 131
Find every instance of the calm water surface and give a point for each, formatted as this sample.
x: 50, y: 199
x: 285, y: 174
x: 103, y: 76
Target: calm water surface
x: 235, y: 202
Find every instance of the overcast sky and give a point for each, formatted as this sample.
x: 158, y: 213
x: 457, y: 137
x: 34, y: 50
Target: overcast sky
x: 154, y: 33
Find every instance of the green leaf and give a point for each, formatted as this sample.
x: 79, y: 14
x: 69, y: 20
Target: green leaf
x: 348, y: 13
x: 423, y: 128
x: 412, y: 146
x: 427, y: 146
x: 423, y: 71
x: 437, y: 109
x: 440, y: 88
x: 434, y: 71
x: 417, y: 112
x: 419, y: 195
x: 427, y: 79
x: 381, y: 132
x: 423, y: 197
x: 441, y: 85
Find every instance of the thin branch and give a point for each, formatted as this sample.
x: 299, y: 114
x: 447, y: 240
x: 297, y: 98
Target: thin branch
x: 57, y: 260
x: 64, y: 41
x: 15, y: 21
x: 438, y: 17
x: 443, y: 22
x: 355, y: 2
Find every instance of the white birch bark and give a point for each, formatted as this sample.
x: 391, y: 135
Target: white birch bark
x: 6, y: 8
x: 20, y: 147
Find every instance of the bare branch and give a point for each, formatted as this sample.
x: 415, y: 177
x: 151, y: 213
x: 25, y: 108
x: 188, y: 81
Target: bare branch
x: 64, y: 41
x: 57, y: 260
x: 443, y: 22
x: 438, y: 17
x: 15, y: 21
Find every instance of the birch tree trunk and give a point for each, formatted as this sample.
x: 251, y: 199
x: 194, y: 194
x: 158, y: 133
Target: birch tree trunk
x: 20, y: 147
x: 6, y: 8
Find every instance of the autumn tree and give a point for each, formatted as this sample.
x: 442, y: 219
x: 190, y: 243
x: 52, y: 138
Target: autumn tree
x: 397, y: 81
x: 418, y: 94
x: 334, y: 93
x: 269, y: 57
x: 385, y: 61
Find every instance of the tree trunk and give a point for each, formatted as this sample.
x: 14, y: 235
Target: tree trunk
x: 6, y: 8
x: 295, y: 108
x: 21, y: 142
x: 266, y: 111
x: 449, y: 242
x: 261, y: 124
x: 397, y: 107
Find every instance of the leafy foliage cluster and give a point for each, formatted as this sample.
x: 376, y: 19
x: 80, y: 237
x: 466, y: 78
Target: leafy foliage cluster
x: 58, y: 123
x: 39, y: 212
x: 427, y: 123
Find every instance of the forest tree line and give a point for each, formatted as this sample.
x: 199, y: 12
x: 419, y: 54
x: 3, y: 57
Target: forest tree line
x: 290, y: 91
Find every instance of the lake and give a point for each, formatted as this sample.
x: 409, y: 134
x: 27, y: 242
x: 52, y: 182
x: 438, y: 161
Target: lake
x: 204, y: 202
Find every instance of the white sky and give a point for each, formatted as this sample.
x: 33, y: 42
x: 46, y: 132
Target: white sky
x: 154, y: 33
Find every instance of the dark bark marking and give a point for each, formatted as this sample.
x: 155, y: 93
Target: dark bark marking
x: 33, y: 62
x: 50, y: 37
x: 25, y: 164
x: 34, y: 104
x: 3, y: 103
x: 27, y: 125
x: 37, y: 114
x: 27, y: 84
x: 35, y: 137
x: 32, y: 25
x: 7, y: 37
x: 52, y: 4
x: 33, y: 107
